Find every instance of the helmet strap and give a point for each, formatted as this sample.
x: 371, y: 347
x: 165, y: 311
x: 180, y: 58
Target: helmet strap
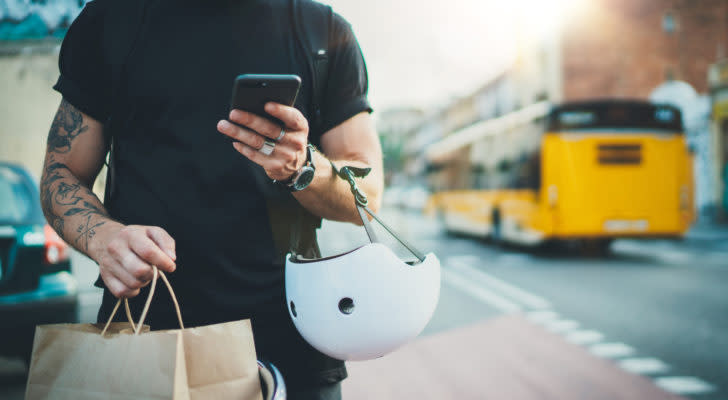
x: 348, y: 174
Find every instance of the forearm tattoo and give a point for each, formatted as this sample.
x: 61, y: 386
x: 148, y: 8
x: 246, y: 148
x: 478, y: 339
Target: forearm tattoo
x: 62, y: 195
x: 51, y: 174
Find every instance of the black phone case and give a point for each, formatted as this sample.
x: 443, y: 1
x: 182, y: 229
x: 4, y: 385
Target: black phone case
x: 252, y: 91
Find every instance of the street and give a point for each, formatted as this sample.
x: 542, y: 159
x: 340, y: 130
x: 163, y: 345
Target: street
x: 654, y: 308
x: 646, y: 321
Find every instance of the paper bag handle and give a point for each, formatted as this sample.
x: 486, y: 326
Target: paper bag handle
x: 138, y: 327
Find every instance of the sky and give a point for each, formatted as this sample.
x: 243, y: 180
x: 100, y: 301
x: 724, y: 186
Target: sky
x: 423, y: 53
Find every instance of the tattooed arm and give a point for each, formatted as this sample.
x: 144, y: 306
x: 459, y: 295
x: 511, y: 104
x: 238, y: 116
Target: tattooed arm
x: 74, y: 156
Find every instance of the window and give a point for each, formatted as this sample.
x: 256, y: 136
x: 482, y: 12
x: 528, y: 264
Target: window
x: 15, y: 199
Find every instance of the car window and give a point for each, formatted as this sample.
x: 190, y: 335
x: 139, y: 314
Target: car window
x: 16, y: 201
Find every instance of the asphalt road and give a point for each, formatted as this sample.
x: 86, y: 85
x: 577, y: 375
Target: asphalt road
x: 655, y: 308
x: 658, y: 309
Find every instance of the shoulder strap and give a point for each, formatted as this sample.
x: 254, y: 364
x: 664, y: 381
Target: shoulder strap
x: 312, y: 27
x: 123, y: 20
x: 122, y: 24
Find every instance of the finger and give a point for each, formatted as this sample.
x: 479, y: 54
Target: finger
x: 163, y: 240
x: 246, y: 136
x: 257, y: 123
x: 252, y: 154
x: 118, y: 288
x: 269, y: 163
x: 291, y: 117
x: 120, y: 270
x: 139, y: 269
x: 150, y: 253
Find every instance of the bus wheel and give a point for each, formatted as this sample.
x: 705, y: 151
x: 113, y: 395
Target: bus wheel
x: 597, y: 247
x: 553, y: 246
x: 496, y: 233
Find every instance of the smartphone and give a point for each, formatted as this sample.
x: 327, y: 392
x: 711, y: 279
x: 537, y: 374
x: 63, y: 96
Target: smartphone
x: 252, y: 91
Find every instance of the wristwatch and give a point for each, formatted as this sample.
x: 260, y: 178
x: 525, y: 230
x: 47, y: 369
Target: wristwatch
x: 304, y: 176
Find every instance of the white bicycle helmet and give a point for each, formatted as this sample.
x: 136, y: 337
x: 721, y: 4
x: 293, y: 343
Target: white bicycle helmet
x: 364, y: 303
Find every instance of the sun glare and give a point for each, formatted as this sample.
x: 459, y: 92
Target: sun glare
x: 545, y: 17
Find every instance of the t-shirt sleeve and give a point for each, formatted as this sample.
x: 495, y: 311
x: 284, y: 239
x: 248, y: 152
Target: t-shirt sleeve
x: 84, y: 79
x: 346, y: 89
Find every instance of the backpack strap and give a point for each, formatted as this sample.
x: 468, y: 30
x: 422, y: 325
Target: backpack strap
x: 123, y: 21
x: 312, y: 28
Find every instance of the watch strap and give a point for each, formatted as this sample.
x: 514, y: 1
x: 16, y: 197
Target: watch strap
x: 290, y: 182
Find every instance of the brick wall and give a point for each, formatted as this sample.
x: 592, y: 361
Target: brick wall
x: 619, y: 48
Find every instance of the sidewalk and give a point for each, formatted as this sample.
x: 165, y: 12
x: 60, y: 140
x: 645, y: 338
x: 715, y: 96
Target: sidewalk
x: 504, y: 358
x: 708, y: 232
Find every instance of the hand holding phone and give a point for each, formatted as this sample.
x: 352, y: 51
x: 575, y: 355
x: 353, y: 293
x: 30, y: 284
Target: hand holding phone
x: 266, y: 128
x: 252, y: 91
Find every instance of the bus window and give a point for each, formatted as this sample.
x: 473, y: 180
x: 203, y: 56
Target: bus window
x: 615, y: 114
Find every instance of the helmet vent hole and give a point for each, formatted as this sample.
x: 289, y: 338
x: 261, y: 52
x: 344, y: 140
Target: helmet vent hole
x: 293, y: 309
x: 346, y: 305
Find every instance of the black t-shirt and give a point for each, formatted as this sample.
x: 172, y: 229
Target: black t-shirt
x: 176, y: 171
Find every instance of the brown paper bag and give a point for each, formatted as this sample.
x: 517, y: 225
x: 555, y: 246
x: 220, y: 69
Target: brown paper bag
x: 123, y: 361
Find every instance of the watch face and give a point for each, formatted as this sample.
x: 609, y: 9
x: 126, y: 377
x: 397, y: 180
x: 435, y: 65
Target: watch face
x: 304, y: 179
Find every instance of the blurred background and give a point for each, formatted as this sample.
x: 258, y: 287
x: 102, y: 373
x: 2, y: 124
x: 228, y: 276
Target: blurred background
x: 567, y: 161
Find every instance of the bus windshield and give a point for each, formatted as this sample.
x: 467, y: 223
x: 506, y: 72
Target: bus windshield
x: 630, y: 115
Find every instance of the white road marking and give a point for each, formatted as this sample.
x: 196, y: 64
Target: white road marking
x: 561, y: 325
x: 466, y: 285
x: 514, y: 258
x: 584, y: 337
x: 466, y: 259
x: 611, y: 350
x: 644, y: 366
x: 676, y: 257
x: 509, y: 299
x: 542, y: 316
x: 684, y: 385
x: 464, y: 264
x: 662, y: 253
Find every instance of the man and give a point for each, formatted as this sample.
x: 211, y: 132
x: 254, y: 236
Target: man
x: 184, y: 198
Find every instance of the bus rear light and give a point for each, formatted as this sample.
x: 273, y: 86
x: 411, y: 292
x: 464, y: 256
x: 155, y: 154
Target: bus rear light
x: 684, y: 197
x: 553, y: 195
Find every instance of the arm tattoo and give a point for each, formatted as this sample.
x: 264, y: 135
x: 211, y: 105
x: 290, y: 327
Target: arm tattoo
x: 62, y: 196
x: 67, y: 124
x: 66, y: 194
x: 86, y: 232
x: 87, y: 209
x: 50, y: 175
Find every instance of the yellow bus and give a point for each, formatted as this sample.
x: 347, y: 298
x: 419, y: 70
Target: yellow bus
x: 591, y: 171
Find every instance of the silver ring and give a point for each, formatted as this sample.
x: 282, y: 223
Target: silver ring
x: 283, y: 133
x: 268, y: 147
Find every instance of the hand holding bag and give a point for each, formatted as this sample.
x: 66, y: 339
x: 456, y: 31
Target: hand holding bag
x: 123, y: 361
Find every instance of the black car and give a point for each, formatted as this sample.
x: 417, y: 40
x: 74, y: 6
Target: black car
x: 36, y: 286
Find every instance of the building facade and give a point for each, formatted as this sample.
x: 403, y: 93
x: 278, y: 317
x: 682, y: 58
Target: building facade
x: 718, y: 80
x: 635, y: 49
